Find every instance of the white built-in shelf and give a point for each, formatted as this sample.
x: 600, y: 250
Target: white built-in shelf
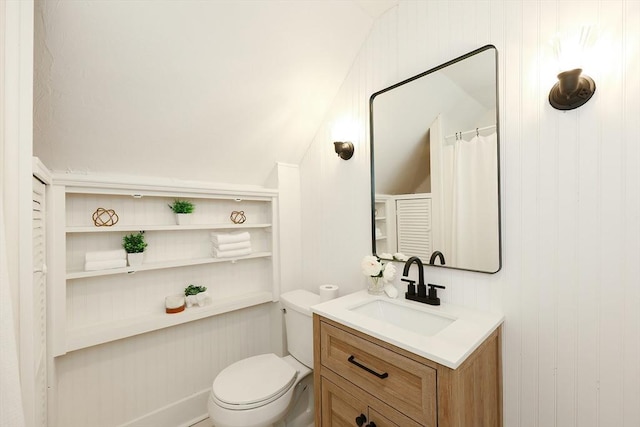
x: 160, y: 265
x: 80, y: 317
x: 381, y: 218
x: 95, y: 229
x: 381, y: 237
x: 91, y: 335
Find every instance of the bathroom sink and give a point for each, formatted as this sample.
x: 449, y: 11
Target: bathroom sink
x: 446, y: 334
x: 408, y: 318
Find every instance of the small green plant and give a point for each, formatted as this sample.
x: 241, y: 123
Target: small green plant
x: 134, y: 243
x: 182, y: 207
x: 194, y: 290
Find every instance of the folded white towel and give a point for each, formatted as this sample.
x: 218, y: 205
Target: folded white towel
x: 104, y: 265
x: 231, y: 254
x: 233, y: 246
x: 224, y: 238
x: 105, y: 255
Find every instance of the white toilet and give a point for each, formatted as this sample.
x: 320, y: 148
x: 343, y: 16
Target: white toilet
x: 268, y: 390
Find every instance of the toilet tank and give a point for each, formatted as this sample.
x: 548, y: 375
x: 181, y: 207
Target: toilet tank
x: 298, y: 322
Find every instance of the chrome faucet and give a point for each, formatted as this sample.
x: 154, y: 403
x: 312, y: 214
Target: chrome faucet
x: 421, y: 295
x: 436, y: 254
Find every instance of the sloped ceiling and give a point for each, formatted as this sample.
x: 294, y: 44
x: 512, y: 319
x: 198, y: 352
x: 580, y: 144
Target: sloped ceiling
x: 201, y: 90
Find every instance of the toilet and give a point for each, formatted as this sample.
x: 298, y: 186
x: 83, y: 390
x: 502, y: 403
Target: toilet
x: 268, y: 390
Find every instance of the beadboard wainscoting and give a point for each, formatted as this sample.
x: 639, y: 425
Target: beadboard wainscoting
x: 161, y: 378
x: 569, y: 285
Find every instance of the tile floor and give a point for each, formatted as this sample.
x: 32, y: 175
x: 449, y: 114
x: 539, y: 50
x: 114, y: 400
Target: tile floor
x: 203, y: 423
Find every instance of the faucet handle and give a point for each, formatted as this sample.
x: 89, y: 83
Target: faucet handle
x: 432, y: 298
x: 411, y: 287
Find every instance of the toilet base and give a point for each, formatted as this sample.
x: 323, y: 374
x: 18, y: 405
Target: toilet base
x: 301, y: 411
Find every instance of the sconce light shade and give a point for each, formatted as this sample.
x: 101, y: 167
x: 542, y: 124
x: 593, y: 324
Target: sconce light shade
x: 344, y: 149
x: 572, y: 90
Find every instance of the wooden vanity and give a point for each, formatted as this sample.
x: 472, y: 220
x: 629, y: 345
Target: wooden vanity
x: 364, y: 381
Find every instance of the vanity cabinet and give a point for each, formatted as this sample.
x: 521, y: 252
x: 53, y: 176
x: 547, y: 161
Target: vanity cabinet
x: 359, y: 374
x: 94, y: 307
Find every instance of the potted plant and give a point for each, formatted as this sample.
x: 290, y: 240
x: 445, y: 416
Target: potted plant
x: 182, y: 209
x: 134, y: 245
x: 195, y: 294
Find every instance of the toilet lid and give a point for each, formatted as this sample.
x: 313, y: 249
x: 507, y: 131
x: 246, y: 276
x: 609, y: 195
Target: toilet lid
x: 254, y: 381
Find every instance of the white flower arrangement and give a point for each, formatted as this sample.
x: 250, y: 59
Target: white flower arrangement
x: 372, y: 266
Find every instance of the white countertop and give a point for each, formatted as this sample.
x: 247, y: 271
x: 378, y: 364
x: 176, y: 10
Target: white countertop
x: 449, y: 347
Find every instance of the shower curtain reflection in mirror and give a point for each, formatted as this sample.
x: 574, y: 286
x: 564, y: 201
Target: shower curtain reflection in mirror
x: 465, y: 197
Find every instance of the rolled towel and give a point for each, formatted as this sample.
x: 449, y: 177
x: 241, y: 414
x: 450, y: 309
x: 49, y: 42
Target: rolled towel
x: 105, y: 255
x: 104, y: 265
x: 224, y: 238
x: 231, y: 254
x: 233, y: 246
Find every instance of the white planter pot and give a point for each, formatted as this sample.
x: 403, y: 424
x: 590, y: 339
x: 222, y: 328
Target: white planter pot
x: 200, y: 299
x: 183, y: 219
x: 135, y: 260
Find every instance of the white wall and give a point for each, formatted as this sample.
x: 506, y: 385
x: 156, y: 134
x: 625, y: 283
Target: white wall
x: 570, y: 282
x: 216, y: 91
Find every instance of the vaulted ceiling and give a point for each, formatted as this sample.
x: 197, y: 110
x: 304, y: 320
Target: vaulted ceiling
x: 204, y: 90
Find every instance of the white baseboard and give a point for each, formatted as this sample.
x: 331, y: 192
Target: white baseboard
x: 182, y: 413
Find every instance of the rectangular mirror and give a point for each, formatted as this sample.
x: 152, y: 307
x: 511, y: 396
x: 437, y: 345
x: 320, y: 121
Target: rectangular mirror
x: 435, y: 165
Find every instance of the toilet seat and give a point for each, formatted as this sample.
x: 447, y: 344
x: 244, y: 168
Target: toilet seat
x: 253, y: 382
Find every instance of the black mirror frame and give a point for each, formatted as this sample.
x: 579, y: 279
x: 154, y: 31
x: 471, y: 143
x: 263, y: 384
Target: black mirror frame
x: 372, y: 158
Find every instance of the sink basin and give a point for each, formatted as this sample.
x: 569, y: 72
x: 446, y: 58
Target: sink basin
x: 411, y: 319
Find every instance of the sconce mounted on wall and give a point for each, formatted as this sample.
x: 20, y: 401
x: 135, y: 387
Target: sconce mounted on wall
x: 344, y: 149
x: 572, y: 90
x: 573, y: 50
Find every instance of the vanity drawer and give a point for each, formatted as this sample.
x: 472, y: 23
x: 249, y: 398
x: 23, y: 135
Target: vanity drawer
x: 404, y: 384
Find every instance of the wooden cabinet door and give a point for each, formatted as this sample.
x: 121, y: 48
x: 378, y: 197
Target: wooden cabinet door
x: 344, y: 406
x: 380, y: 420
x: 339, y: 408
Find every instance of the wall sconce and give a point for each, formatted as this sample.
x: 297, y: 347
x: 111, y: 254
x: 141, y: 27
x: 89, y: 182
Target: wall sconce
x: 344, y: 149
x: 343, y: 131
x: 572, y: 89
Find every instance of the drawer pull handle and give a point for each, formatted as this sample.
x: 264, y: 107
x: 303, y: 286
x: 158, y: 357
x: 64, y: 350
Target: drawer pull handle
x: 352, y: 359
